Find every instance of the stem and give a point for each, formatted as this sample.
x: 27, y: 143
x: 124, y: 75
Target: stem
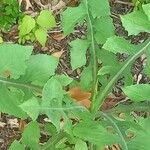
x: 93, y: 53
x: 20, y: 85
x: 102, y: 95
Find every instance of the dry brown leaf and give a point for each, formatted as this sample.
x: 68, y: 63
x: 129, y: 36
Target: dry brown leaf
x: 22, y: 125
x: 58, y: 36
x: 73, y: 3
x: 58, y: 54
x: 83, y: 97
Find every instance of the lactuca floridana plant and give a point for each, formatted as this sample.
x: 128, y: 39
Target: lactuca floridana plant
x: 36, y: 28
x: 30, y: 87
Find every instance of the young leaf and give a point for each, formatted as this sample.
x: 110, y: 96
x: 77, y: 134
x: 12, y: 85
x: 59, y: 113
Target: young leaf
x: 32, y: 108
x: 27, y: 24
x: 99, y: 8
x: 71, y: 16
x: 41, y: 36
x: 117, y: 44
x: 139, y: 92
x: 46, y: 20
x: 103, y: 24
x: 136, y: 22
x: 40, y: 68
x: 78, y: 53
x: 94, y: 133
x: 31, y: 135
x: 13, y: 59
x: 80, y: 145
x: 16, y: 146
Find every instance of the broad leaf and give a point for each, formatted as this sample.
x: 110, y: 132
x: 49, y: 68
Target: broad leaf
x: 16, y: 146
x: 78, y: 53
x: 31, y: 135
x: 46, y: 20
x: 27, y: 24
x: 13, y: 60
x: 71, y: 16
x: 40, y: 68
x: 136, y: 22
x: 104, y: 29
x: 117, y: 44
x: 138, y: 92
x: 80, y: 145
x: 146, y: 9
x: 99, y: 8
x: 94, y: 133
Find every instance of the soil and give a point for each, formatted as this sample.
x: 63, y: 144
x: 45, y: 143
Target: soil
x: 10, y: 128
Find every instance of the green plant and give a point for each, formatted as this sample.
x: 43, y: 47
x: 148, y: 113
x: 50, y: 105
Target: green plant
x: 9, y: 13
x: 36, y: 28
x: 30, y: 87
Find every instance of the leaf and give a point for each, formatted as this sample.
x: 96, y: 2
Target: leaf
x: 31, y: 107
x: 139, y: 92
x: 40, y: 68
x: 78, y: 53
x: 52, y: 96
x: 58, y: 54
x: 31, y: 135
x: 136, y: 22
x: 1, y: 40
x: 80, y: 145
x: 71, y: 16
x: 99, y: 8
x: 27, y: 24
x: 104, y: 24
x: 46, y: 20
x: 16, y: 146
x: 41, y: 36
x: 10, y: 101
x: 83, y: 97
x: 117, y: 44
x: 105, y: 70
x: 13, y: 59
x: 93, y: 132
x: 146, y: 9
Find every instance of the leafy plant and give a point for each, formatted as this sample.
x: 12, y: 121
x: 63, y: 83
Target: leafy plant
x: 36, y: 28
x: 9, y: 13
x: 30, y: 87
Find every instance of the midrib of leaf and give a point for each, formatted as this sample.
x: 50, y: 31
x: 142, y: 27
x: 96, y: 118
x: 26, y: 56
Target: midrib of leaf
x: 93, y: 52
x: 20, y: 85
x: 124, y: 144
x: 103, y: 94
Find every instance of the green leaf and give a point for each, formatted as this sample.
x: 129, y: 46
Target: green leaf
x: 103, y: 24
x: 139, y: 92
x: 16, y: 146
x: 41, y: 36
x: 78, y: 53
x: 13, y: 59
x: 146, y: 9
x: 31, y: 135
x: 86, y: 78
x: 147, y: 67
x: 27, y: 24
x: 80, y: 145
x: 52, y: 96
x: 46, y: 19
x: 31, y: 107
x: 40, y: 68
x: 99, y: 8
x: 136, y: 22
x: 71, y: 16
x: 10, y: 101
x: 105, y: 70
x: 95, y: 133
x: 117, y: 44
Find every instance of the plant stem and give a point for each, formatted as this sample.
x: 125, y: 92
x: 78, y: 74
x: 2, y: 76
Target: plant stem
x: 102, y: 95
x: 93, y: 53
